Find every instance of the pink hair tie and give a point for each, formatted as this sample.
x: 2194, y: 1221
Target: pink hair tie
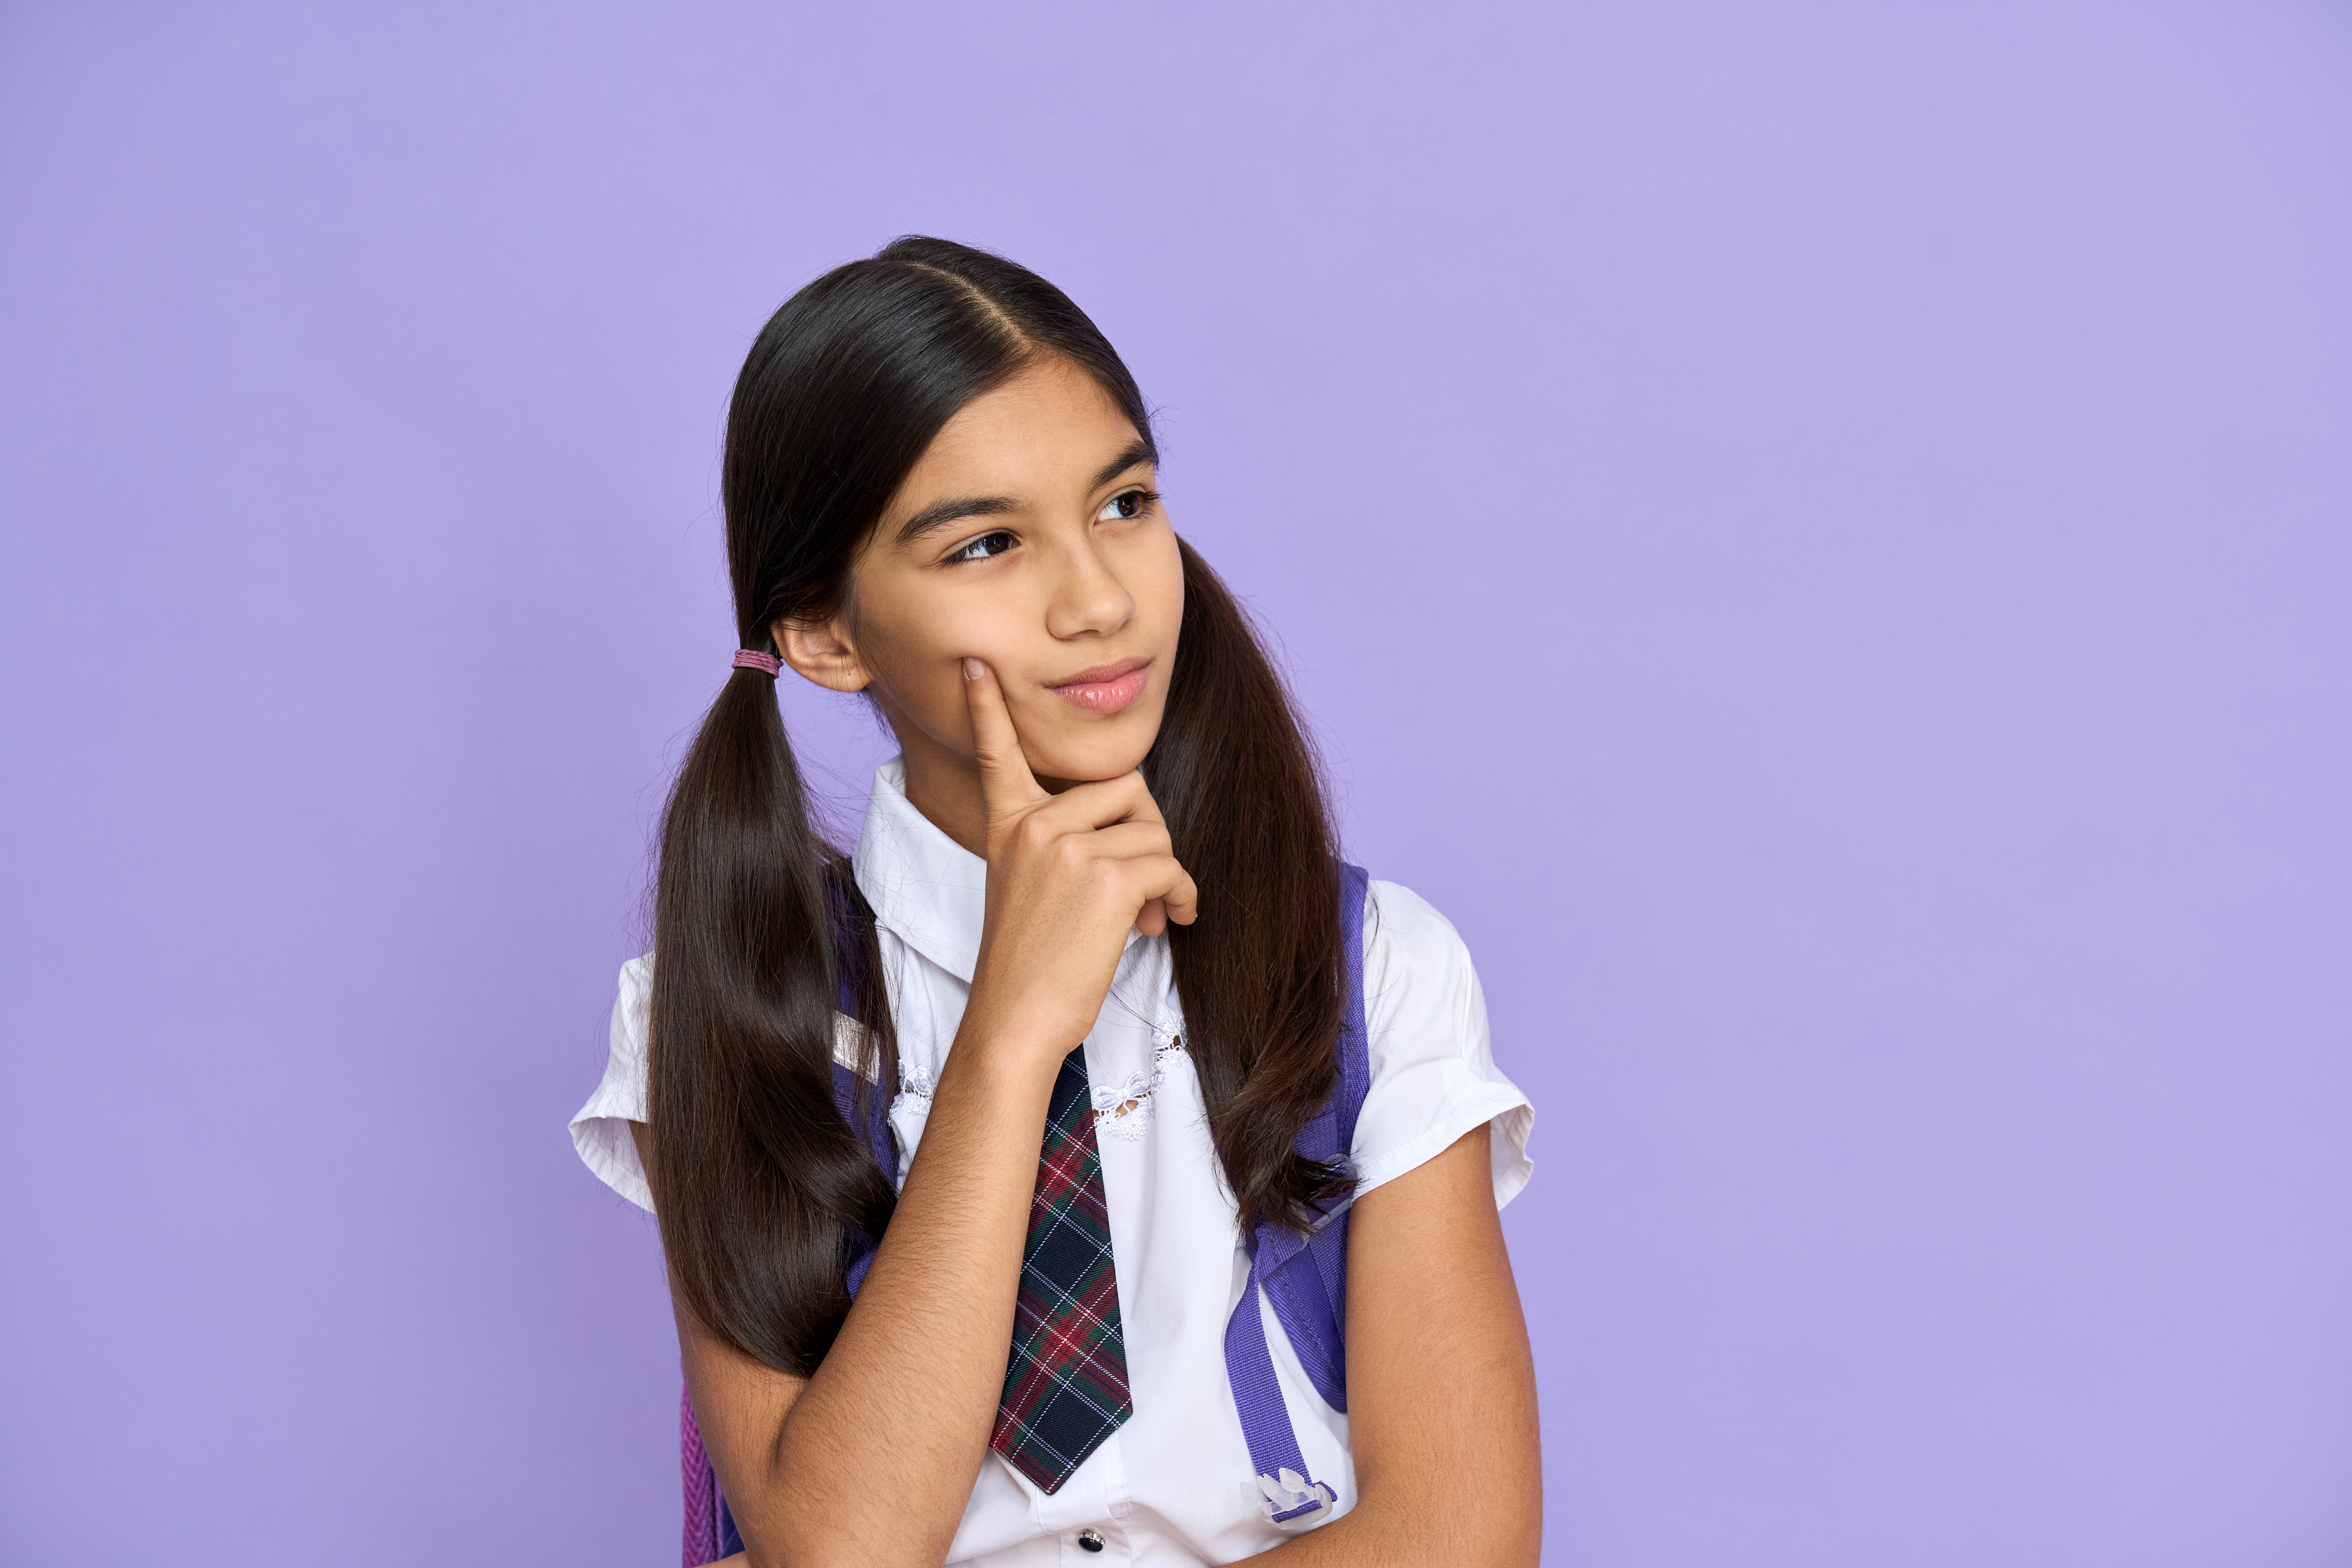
x: 766, y: 664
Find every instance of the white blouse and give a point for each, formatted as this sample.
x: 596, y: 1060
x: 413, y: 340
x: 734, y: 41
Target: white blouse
x: 1174, y: 1484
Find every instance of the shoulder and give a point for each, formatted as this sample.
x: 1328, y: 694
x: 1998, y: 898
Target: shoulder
x: 1412, y: 950
x: 1400, y: 925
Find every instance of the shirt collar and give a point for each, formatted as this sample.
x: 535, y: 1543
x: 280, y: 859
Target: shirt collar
x: 925, y: 889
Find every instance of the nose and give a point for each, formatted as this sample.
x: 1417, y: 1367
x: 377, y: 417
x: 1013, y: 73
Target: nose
x: 1088, y: 599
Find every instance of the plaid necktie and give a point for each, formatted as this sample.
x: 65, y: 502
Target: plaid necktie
x: 1065, y: 1389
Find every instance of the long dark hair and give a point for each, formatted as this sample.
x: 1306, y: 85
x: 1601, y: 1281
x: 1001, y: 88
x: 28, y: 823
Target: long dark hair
x: 762, y: 1180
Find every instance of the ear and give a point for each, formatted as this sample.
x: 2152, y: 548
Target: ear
x: 823, y: 651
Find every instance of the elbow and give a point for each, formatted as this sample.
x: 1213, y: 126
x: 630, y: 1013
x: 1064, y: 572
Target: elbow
x: 1506, y: 1536
x: 1458, y: 1525
x: 1520, y: 1545
x: 821, y: 1548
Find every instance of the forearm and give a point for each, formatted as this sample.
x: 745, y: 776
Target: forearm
x: 1352, y: 1540
x: 874, y: 1461
x: 1416, y: 1533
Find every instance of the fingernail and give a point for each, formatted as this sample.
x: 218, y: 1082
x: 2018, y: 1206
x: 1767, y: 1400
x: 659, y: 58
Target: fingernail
x: 971, y: 669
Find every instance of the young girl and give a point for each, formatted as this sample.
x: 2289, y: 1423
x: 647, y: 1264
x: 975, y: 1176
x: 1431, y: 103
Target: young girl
x: 975, y: 1152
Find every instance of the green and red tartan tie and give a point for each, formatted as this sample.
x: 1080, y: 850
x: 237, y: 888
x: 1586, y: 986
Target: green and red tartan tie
x: 1065, y: 1390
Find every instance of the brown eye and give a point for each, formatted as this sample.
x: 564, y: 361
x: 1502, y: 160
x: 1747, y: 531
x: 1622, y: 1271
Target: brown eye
x: 1125, y: 506
x: 989, y: 544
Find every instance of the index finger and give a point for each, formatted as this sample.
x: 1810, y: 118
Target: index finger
x: 1099, y: 804
x: 1006, y: 782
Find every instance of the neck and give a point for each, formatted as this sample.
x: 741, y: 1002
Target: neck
x: 943, y: 783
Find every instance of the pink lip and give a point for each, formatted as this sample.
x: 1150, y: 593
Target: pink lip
x: 1107, y: 688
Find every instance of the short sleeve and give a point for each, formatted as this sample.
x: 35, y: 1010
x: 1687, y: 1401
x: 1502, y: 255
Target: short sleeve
x: 601, y: 1131
x: 1434, y: 1073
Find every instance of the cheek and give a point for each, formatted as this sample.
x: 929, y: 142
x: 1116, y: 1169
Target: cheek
x: 914, y: 648
x: 914, y: 664
x: 1156, y: 577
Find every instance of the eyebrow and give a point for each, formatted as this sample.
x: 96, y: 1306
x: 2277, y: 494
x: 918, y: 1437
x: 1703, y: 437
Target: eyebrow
x: 1137, y: 454
x: 939, y: 514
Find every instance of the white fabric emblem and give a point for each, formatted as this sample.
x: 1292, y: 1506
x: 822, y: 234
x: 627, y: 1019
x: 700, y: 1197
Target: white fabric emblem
x: 1285, y: 1490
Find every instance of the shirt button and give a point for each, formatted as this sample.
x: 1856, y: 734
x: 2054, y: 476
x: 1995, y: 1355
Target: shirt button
x: 1090, y: 1540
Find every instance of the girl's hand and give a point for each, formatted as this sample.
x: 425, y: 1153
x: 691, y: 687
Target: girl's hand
x: 1068, y: 876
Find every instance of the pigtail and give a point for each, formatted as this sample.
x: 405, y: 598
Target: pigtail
x: 761, y: 1179
x: 1260, y: 974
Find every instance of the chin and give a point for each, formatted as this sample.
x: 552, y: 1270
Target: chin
x: 1090, y: 770
x: 1089, y: 764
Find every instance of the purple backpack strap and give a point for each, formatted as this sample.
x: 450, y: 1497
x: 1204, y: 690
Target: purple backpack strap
x: 871, y: 1122
x: 1305, y: 1278
x: 701, y: 1488
x: 874, y: 1128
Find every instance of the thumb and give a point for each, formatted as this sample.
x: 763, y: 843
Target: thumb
x: 1006, y: 785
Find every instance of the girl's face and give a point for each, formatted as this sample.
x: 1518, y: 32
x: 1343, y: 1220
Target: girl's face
x: 1029, y: 537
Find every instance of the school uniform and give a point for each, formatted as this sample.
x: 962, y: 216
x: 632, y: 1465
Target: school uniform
x: 1173, y: 1484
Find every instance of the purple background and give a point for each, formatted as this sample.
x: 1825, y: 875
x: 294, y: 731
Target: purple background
x: 1818, y: 534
